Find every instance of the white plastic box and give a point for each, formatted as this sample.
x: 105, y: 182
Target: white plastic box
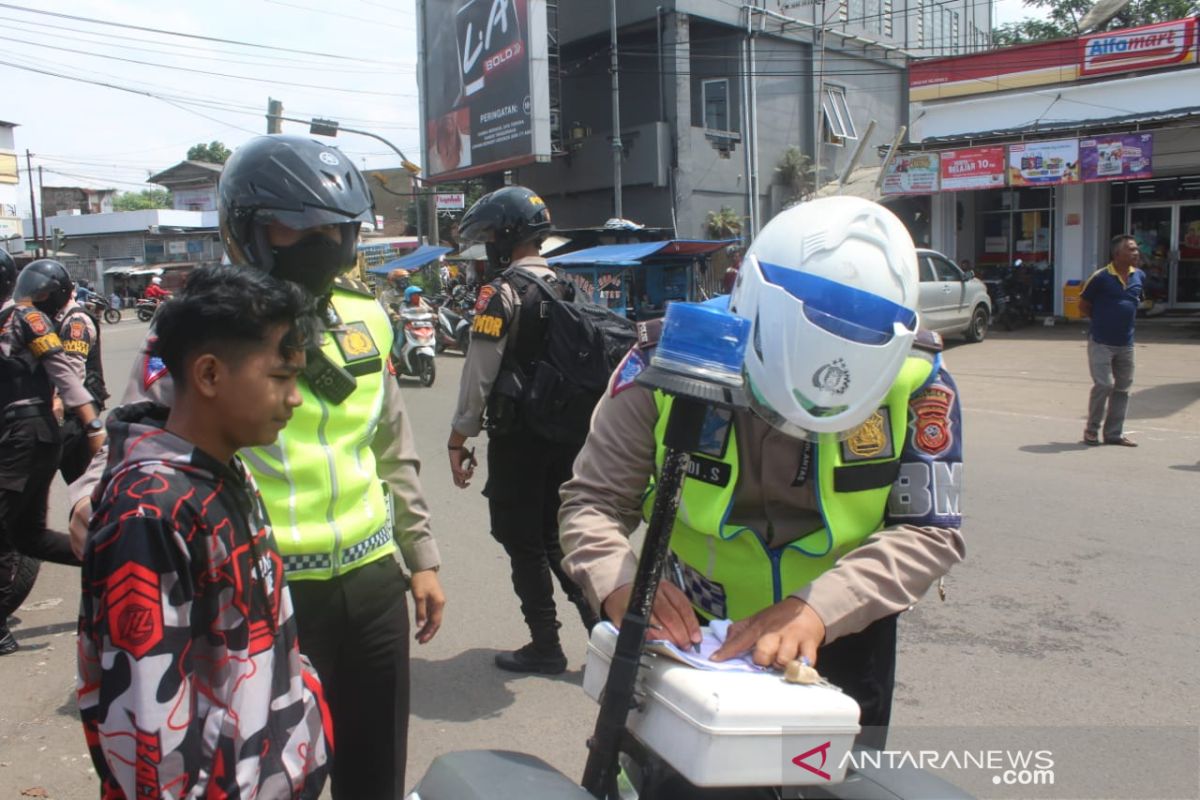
x: 732, y: 728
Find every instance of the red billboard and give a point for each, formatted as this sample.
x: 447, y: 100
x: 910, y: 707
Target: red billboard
x: 972, y: 168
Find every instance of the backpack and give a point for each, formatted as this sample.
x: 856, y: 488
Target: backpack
x: 583, y: 344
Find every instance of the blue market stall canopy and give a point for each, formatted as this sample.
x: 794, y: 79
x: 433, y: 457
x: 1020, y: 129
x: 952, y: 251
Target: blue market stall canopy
x: 414, y: 260
x: 630, y: 255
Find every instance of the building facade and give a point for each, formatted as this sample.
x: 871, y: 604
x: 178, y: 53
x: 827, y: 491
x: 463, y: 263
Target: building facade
x: 717, y: 98
x: 193, y: 185
x: 107, y: 248
x: 10, y: 178
x: 1043, y: 152
x: 77, y: 199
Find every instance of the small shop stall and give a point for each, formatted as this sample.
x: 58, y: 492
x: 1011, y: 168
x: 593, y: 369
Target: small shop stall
x: 415, y: 261
x: 637, y: 280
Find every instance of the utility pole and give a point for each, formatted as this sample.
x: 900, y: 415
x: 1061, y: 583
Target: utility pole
x: 32, y: 205
x: 617, y: 146
x: 45, y: 231
x: 274, y: 115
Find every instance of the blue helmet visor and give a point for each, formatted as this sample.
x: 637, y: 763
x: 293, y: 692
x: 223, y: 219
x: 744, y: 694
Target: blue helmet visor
x: 842, y: 310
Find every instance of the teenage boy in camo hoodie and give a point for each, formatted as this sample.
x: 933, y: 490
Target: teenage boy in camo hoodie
x: 191, y: 682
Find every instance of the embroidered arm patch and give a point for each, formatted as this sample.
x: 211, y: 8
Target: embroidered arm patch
x: 928, y: 489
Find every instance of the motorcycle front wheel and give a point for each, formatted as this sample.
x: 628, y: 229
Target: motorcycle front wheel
x: 427, y: 371
x: 112, y: 316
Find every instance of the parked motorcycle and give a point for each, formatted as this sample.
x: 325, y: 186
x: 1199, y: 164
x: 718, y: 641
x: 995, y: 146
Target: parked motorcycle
x: 1012, y: 297
x: 413, y: 348
x: 100, y: 308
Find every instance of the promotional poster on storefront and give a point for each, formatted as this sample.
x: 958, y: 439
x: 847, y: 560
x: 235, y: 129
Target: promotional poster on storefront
x: 912, y: 173
x: 1117, y: 157
x: 485, y: 86
x: 972, y: 168
x: 1043, y: 163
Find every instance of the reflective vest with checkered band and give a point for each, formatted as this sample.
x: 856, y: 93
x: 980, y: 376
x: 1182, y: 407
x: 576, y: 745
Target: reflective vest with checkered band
x: 748, y: 575
x: 328, y: 508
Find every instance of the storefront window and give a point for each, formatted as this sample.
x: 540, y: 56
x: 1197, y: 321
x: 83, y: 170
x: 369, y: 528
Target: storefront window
x: 1015, y: 223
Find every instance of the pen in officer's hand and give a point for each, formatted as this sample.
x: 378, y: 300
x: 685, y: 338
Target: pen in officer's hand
x: 677, y: 572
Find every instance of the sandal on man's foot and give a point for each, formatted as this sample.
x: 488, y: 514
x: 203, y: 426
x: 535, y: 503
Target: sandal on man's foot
x: 1091, y: 439
x: 1124, y: 441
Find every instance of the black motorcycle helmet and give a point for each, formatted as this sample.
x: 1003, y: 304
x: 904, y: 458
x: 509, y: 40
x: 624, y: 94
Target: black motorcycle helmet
x: 299, y: 183
x: 8, y: 275
x: 46, y: 283
x: 503, y: 219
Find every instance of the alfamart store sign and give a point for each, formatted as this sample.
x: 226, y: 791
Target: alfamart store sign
x: 1159, y: 46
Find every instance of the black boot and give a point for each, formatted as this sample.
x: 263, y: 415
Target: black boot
x: 8, y: 642
x: 540, y: 659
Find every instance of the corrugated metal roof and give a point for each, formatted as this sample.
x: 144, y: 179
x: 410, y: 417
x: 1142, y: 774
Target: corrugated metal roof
x: 632, y: 254
x: 1051, y: 129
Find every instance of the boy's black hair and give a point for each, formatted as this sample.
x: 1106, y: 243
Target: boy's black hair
x: 225, y: 310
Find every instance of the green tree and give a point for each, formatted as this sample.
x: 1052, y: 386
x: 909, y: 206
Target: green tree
x: 1057, y: 19
x: 214, y: 152
x: 723, y: 224
x: 796, y: 173
x: 140, y: 201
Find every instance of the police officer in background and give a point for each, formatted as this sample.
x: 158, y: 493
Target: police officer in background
x: 33, y: 364
x: 80, y: 335
x: 524, y: 470
x: 341, y: 483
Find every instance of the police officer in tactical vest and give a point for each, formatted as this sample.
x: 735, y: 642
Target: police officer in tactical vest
x: 340, y: 484
x: 524, y: 469
x: 33, y: 364
x: 80, y: 335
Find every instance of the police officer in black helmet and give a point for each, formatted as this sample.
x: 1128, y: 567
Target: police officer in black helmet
x: 524, y: 470
x: 340, y: 484
x: 32, y: 366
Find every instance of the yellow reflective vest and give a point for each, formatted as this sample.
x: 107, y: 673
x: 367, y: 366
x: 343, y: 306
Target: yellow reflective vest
x: 329, y: 510
x: 729, y: 571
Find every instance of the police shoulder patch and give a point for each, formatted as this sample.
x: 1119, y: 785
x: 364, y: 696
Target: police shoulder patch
x: 488, y: 326
x: 153, y: 367
x: 627, y: 371
x: 932, y: 433
x: 484, y: 298
x: 36, y: 321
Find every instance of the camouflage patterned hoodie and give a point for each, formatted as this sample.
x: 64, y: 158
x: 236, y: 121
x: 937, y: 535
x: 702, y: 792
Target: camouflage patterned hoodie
x: 191, y: 683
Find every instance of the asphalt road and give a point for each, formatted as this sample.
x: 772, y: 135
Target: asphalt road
x: 1076, y: 606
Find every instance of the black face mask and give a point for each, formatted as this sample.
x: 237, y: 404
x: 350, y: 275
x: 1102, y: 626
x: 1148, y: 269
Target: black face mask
x: 313, y: 262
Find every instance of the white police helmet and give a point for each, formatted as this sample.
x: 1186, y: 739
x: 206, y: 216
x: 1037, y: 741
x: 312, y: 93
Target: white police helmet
x: 830, y: 288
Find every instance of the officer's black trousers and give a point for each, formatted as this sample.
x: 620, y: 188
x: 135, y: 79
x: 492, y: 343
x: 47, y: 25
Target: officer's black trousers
x: 354, y: 629
x: 29, y: 450
x: 524, y: 474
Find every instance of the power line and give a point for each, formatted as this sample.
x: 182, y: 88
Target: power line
x: 32, y: 27
x: 312, y: 10
x: 191, y: 35
x: 214, y: 74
